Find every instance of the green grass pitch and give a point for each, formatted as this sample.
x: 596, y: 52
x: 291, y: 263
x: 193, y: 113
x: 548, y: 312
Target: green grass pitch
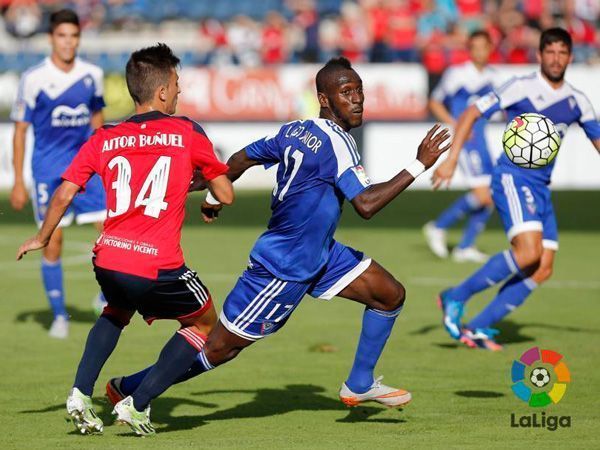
x: 282, y: 393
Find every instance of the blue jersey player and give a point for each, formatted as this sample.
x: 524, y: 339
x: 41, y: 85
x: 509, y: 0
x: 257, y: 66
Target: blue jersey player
x: 521, y: 196
x: 319, y: 168
x: 459, y: 87
x: 61, y: 98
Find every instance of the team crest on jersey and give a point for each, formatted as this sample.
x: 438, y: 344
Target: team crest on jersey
x: 266, y: 327
x: 487, y: 101
x: 88, y: 81
x: 360, y: 173
x: 65, y: 116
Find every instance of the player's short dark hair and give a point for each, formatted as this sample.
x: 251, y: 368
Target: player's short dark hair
x: 552, y: 35
x: 332, y: 66
x: 480, y: 34
x: 63, y: 16
x: 147, y: 69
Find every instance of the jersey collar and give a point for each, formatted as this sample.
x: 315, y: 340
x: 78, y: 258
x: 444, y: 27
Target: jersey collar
x: 150, y: 115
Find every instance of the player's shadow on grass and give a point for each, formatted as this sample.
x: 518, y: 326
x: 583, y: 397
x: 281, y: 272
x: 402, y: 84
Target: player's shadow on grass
x: 44, y: 317
x: 265, y: 403
x: 479, y: 394
x: 510, y: 332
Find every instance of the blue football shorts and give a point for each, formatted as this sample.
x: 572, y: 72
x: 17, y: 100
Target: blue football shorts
x: 260, y: 303
x: 88, y: 206
x: 523, y: 206
x: 476, y: 164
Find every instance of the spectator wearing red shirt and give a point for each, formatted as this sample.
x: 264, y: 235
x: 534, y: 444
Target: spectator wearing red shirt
x: 402, y: 32
x: 274, y: 49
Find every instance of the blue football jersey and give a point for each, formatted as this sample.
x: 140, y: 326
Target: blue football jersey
x: 59, y: 105
x: 460, y: 86
x: 533, y: 94
x: 319, y: 168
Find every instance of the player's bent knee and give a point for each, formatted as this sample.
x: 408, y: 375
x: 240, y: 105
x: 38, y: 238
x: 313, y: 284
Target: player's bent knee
x: 394, y: 298
x: 119, y: 317
x: 543, y: 274
x: 528, y: 255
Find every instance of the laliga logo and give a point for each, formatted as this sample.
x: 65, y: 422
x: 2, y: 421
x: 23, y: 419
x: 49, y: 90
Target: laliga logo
x: 540, y: 378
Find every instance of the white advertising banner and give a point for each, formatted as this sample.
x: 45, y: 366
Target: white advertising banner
x: 389, y: 148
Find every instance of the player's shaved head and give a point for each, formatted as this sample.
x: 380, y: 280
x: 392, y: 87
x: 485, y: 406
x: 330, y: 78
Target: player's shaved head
x: 147, y: 70
x: 329, y: 75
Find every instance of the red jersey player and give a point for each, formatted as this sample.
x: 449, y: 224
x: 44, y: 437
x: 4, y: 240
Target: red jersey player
x: 146, y: 165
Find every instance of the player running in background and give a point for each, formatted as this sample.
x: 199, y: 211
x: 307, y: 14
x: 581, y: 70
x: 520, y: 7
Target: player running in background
x: 62, y: 99
x: 146, y: 165
x: 521, y: 196
x: 318, y: 168
x: 459, y: 87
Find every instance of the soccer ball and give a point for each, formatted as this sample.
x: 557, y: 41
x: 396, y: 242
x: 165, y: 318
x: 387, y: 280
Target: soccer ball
x: 531, y: 141
x: 540, y: 377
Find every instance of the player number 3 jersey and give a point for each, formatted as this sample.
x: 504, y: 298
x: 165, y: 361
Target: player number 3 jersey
x: 146, y: 165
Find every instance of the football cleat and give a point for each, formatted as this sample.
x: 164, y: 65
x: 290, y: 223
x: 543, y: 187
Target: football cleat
x: 139, y: 422
x: 82, y: 414
x: 468, y: 254
x: 452, y: 314
x: 483, y: 338
x: 378, y: 392
x: 436, y: 240
x: 59, y: 328
x: 113, y: 391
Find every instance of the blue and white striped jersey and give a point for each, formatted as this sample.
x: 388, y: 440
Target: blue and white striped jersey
x: 533, y: 94
x: 59, y: 105
x: 320, y: 166
x: 460, y: 86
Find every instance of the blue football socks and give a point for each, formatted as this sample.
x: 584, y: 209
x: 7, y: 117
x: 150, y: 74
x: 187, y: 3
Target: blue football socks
x: 457, y: 210
x: 102, y: 340
x: 52, y: 277
x: 496, y: 269
x: 376, y: 328
x: 509, y: 297
x: 475, y: 225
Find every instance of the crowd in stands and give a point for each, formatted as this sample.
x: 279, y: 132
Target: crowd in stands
x: 263, y: 32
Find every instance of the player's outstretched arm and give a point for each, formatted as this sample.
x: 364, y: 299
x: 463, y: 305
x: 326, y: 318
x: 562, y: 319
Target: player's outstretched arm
x: 59, y: 204
x: 377, y: 196
x: 596, y: 143
x: 18, y: 194
x: 445, y: 171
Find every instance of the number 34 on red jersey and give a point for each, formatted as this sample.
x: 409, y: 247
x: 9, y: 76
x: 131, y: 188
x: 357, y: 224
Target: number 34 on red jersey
x: 146, y: 165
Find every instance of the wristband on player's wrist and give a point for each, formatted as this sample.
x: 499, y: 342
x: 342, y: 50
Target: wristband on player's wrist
x: 211, y: 200
x: 415, y: 168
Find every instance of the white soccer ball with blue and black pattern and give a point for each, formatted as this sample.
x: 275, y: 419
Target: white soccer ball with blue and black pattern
x: 531, y: 141
x: 540, y: 377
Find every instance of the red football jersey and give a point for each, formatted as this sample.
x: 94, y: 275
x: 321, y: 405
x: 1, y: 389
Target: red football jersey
x: 146, y: 166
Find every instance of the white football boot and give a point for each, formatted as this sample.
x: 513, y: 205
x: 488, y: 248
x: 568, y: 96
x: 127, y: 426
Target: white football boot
x: 468, y: 254
x: 59, y: 328
x: 82, y: 414
x: 436, y: 239
x: 379, y: 392
x: 139, y: 422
